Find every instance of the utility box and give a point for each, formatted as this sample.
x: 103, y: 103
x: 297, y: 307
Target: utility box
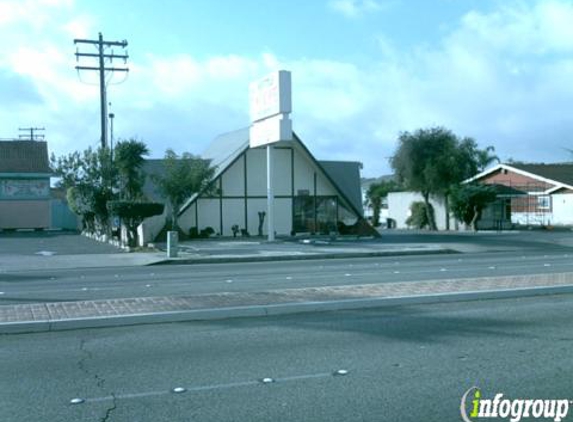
x: 172, y: 244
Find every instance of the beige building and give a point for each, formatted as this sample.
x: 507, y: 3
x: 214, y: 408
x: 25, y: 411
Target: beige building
x: 24, y: 185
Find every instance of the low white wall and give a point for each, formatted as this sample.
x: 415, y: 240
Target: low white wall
x: 150, y: 228
x: 531, y: 218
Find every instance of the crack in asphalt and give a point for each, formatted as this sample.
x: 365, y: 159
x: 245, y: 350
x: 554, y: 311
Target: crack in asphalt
x: 110, y: 409
x: 85, y: 356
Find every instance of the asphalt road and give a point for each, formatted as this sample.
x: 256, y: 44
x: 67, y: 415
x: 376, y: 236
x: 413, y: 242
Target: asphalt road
x: 404, y: 364
x: 103, y: 283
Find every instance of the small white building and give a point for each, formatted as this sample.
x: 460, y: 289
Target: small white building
x: 310, y: 196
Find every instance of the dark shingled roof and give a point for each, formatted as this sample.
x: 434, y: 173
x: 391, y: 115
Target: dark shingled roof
x: 346, y: 175
x: 559, y: 172
x: 24, y: 157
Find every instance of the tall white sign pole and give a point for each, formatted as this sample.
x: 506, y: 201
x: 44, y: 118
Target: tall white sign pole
x: 270, y: 100
x: 270, y: 195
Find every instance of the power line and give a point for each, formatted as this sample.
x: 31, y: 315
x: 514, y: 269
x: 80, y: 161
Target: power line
x: 102, y: 56
x: 33, y: 136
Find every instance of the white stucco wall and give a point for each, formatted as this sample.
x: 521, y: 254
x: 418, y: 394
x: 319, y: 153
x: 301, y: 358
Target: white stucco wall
x: 399, y: 209
x: 233, y: 180
x: 256, y: 172
x: 187, y: 219
x: 562, y: 209
x: 282, y: 172
x: 209, y: 214
x: 303, y: 174
x: 234, y: 213
x: 253, y: 208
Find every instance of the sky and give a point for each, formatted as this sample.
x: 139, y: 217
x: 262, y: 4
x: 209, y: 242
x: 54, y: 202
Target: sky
x: 363, y: 71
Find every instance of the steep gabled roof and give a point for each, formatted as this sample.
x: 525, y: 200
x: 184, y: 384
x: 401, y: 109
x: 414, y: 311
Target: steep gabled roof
x: 346, y: 176
x: 228, y: 147
x: 24, y: 157
x: 225, y: 149
x: 560, y: 175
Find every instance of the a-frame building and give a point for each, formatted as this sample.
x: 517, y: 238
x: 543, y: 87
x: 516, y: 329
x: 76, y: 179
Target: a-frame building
x: 310, y: 196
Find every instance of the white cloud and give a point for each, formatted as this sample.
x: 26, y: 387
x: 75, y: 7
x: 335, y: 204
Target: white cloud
x: 502, y: 77
x: 354, y: 8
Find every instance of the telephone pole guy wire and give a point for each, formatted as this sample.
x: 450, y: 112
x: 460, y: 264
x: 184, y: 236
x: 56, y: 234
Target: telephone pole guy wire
x: 101, y: 45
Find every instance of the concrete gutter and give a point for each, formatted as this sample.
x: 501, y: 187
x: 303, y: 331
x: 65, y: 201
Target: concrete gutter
x: 229, y: 259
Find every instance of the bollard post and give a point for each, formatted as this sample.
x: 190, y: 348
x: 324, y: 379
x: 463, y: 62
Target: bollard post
x: 172, y: 241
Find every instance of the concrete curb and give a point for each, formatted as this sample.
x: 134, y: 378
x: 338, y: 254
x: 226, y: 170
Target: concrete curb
x: 274, y: 309
x: 306, y: 257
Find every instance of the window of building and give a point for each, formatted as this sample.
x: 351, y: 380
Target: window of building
x: 544, y: 202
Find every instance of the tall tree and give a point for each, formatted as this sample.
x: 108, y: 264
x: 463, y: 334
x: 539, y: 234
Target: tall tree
x: 87, y: 178
x: 468, y: 202
x: 182, y: 177
x: 128, y: 160
x: 431, y: 161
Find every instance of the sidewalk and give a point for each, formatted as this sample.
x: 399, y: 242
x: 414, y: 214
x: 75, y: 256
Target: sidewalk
x: 223, y: 251
x: 42, y: 317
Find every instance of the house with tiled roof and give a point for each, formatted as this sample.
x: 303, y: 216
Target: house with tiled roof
x: 541, y: 194
x: 24, y: 185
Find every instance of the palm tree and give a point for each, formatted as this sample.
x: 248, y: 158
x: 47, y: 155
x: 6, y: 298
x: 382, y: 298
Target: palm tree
x: 128, y: 159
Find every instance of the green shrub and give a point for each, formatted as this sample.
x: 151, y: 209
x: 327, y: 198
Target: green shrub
x: 418, y: 216
x: 132, y: 215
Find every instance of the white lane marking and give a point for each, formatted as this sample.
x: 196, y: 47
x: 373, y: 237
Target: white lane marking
x: 209, y: 387
x: 45, y: 253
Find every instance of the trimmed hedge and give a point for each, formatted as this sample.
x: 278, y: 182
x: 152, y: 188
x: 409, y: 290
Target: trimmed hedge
x: 134, y: 210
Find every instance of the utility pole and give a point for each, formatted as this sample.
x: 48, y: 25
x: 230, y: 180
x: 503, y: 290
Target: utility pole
x: 101, y: 45
x: 33, y: 136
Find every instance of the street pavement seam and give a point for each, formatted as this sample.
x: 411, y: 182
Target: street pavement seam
x: 39, y: 317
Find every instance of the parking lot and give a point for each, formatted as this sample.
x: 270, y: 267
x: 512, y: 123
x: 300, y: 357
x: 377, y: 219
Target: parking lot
x: 51, y: 243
